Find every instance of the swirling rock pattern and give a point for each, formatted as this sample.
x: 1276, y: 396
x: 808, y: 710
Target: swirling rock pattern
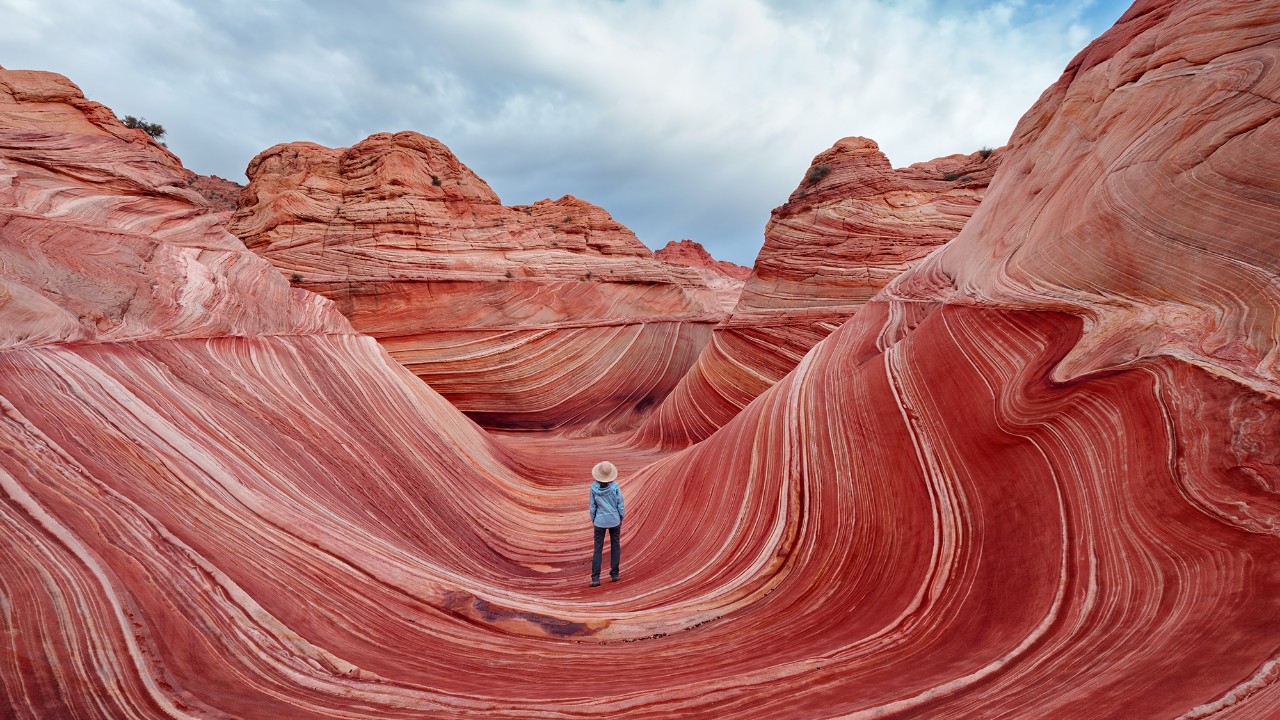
x: 535, y: 316
x: 854, y: 224
x: 979, y: 497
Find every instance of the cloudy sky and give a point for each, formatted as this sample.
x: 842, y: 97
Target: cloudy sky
x: 682, y: 118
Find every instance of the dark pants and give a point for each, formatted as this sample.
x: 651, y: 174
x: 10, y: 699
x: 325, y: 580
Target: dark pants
x: 615, y: 552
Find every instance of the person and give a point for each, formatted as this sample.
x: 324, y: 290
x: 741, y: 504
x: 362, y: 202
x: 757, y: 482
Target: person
x: 607, y: 511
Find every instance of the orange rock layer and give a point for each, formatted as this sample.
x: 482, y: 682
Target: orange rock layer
x: 854, y: 224
x: 534, y: 316
x: 1035, y: 477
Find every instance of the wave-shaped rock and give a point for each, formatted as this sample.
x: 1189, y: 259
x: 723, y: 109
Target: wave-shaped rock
x: 1039, y: 474
x: 854, y: 224
x: 103, y: 242
x: 174, y: 420
x: 543, y: 315
x: 1036, y: 476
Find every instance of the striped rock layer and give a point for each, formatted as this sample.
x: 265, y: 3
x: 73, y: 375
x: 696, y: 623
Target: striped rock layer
x: 854, y: 224
x: 1036, y: 476
x: 723, y: 277
x: 534, y: 316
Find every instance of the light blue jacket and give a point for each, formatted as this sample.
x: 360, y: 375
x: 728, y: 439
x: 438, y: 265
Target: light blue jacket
x: 606, y: 505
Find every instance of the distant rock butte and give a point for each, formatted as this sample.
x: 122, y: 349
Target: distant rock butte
x: 723, y: 277
x: 692, y: 254
x: 854, y: 224
x: 221, y: 194
x: 532, y: 316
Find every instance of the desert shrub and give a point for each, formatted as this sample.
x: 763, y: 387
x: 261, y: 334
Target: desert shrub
x: 950, y: 176
x: 985, y: 152
x: 435, y: 180
x: 817, y: 172
x: 155, y: 130
x: 295, y: 278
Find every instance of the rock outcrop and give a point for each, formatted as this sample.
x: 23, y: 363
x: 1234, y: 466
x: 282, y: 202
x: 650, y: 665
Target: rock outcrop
x: 692, y: 254
x: 536, y: 316
x: 854, y: 224
x: 723, y: 277
x: 221, y: 194
x: 1035, y: 476
x: 1039, y: 474
x: 174, y: 420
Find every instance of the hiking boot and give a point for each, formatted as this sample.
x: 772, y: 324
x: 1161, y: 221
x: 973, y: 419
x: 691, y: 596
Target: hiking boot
x: 613, y: 578
x: 595, y: 583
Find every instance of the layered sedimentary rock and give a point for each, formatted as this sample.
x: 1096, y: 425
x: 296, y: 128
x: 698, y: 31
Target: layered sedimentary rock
x: 723, y: 277
x: 1035, y: 477
x: 1039, y: 476
x: 531, y: 316
x: 221, y: 194
x: 852, y: 225
x: 692, y: 254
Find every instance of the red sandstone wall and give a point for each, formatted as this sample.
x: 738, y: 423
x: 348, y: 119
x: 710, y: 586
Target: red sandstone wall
x: 547, y: 315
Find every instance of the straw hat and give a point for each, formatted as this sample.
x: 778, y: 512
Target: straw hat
x: 604, y: 472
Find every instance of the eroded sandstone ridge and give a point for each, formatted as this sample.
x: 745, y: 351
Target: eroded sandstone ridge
x: 1035, y: 476
x: 852, y: 225
x: 723, y: 277
x: 526, y: 317
x: 221, y: 194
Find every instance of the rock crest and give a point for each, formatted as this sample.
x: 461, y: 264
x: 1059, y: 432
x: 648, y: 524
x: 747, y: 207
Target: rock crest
x: 852, y: 225
x: 723, y: 277
x: 532, y: 316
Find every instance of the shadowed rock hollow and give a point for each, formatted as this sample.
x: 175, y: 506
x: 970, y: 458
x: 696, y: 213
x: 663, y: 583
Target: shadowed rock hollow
x: 1033, y: 476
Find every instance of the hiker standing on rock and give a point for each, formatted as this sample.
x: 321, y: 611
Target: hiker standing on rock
x: 606, y: 514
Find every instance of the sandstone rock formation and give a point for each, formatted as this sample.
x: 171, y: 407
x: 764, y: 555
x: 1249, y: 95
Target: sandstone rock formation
x: 533, y: 316
x: 1040, y: 474
x: 692, y: 254
x: 723, y: 277
x: 221, y: 194
x: 852, y: 225
x: 1036, y: 476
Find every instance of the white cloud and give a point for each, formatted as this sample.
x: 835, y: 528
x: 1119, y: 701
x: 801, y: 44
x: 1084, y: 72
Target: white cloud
x: 684, y: 118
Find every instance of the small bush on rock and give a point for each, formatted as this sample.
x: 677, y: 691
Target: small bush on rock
x: 817, y: 172
x: 155, y: 130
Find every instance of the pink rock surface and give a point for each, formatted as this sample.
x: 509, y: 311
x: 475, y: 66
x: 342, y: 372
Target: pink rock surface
x: 852, y: 225
x: 692, y: 254
x: 723, y: 277
x: 977, y: 498
x: 534, y: 316
x: 221, y: 194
